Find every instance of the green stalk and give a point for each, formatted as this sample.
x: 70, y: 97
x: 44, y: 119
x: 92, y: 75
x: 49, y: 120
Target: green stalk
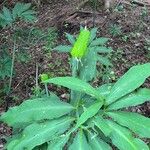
x: 46, y: 89
x: 74, y: 67
x: 12, y: 66
x: 94, y: 11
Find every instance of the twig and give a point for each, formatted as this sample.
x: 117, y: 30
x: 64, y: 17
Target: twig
x: 138, y: 3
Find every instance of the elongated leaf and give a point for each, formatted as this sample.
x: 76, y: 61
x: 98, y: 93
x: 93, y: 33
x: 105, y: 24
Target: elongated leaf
x: 102, y: 125
x: 93, y: 34
x: 101, y: 49
x: 70, y: 38
x: 35, y: 110
x: 136, y: 122
x: 98, y: 144
x: 131, y: 80
x: 139, y: 97
x: 122, y: 137
x: 141, y: 145
x: 63, y: 48
x: 39, y: 133
x: 58, y: 144
x: 99, y: 41
x: 104, y: 61
x: 80, y: 142
x: 88, y: 67
x: 104, y: 90
x: 88, y: 113
x: 75, y: 84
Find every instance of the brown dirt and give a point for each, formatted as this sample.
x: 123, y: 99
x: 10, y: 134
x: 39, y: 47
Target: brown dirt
x: 64, y: 16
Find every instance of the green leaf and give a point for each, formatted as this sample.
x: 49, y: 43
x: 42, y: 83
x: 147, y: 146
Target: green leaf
x: 58, y: 144
x: 63, y: 48
x: 75, y: 84
x: 122, y: 137
x: 88, y: 113
x: 104, y: 61
x: 93, y: 34
x: 19, y: 8
x: 6, y: 17
x: 88, y: 67
x: 35, y: 110
x: 3, y: 23
x: 137, y: 123
x: 102, y: 125
x: 97, y: 143
x: 104, y: 90
x: 39, y: 133
x: 139, y: 97
x: 70, y: 38
x: 101, y: 49
x: 28, y: 16
x: 80, y: 142
x: 99, y: 41
x: 141, y: 145
x: 130, y: 81
x: 7, y: 14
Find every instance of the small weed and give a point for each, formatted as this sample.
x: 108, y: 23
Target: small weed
x: 125, y: 38
x: 50, y: 39
x: 147, y: 47
x: 119, y: 8
x: 115, y: 30
x: 144, y: 12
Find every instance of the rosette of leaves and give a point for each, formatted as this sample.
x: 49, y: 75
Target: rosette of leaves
x: 96, y: 122
x: 96, y: 52
x: 20, y: 11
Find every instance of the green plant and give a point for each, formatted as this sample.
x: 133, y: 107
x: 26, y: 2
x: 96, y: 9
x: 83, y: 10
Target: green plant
x: 50, y: 39
x: 147, y: 44
x: 144, y: 12
x: 96, y: 51
x: 147, y: 47
x: 115, y: 30
x: 91, y: 120
x: 119, y: 8
x: 5, y: 64
x: 20, y: 11
x: 9, y: 18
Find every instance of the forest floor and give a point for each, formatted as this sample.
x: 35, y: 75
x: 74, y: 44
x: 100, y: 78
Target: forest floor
x: 127, y: 25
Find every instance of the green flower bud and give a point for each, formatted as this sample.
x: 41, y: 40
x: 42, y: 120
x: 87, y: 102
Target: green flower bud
x: 44, y: 77
x: 80, y: 47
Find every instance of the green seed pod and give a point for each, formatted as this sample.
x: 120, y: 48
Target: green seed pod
x: 80, y: 47
x: 44, y: 77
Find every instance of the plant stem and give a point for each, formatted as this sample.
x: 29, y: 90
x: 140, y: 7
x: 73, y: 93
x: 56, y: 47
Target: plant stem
x: 46, y: 89
x: 74, y: 64
x: 12, y: 66
x: 36, y: 79
x: 94, y: 12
